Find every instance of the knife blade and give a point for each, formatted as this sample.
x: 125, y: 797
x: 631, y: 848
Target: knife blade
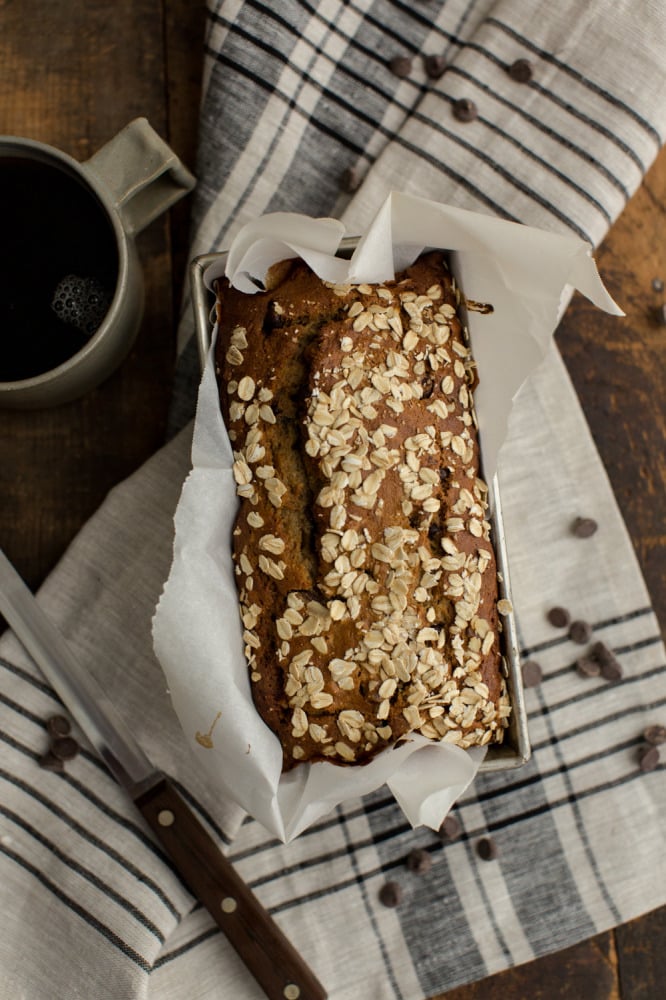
x: 268, y: 955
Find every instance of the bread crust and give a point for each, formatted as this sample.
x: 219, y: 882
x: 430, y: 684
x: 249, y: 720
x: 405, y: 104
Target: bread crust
x: 365, y: 570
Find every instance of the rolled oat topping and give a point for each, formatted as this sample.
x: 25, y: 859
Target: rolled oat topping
x: 363, y: 557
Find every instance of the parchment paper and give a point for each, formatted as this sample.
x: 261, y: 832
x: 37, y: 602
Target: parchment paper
x: 525, y: 274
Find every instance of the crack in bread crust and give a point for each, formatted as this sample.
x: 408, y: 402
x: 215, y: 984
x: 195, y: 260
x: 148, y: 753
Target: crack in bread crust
x: 365, y: 570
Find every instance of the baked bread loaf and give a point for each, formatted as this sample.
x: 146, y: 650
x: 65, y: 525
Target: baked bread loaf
x: 365, y: 571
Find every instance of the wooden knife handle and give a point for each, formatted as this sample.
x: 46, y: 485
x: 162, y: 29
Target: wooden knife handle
x: 268, y: 955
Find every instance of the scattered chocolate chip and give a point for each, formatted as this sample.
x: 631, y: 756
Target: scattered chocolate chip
x: 51, y: 763
x: 419, y: 861
x: 532, y: 674
x: 611, y: 668
x: 584, y: 527
x: 65, y: 747
x: 435, y: 66
x: 521, y: 71
x: 611, y: 671
x: 657, y: 285
x: 660, y: 314
x: 655, y: 735
x: 450, y: 829
x: 588, y: 667
x: 390, y: 894
x: 350, y: 180
x: 648, y: 758
x: 600, y: 660
x: 58, y: 725
x: 486, y: 848
x: 400, y: 66
x: 559, y: 617
x: 580, y: 632
x: 465, y: 110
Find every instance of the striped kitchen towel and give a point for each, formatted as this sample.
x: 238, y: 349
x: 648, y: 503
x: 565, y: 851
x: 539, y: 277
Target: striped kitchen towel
x: 547, y: 114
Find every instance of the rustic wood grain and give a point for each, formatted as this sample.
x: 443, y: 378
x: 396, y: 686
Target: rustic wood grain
x: 642, y: 957
x: 73, y: 74
x: 184, y: 42
x: 585, y: 972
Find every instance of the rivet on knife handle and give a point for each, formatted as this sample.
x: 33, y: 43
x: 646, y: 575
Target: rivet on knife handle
x: 270, y: 957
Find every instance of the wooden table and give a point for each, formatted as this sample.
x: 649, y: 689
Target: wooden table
x: 73, y: 75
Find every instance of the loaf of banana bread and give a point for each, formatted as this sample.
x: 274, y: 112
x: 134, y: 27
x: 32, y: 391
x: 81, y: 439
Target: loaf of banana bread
x: 365, y: 569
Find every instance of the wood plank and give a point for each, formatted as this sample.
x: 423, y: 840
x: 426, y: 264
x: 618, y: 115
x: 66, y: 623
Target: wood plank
x: 184, y: 39
x: 642, y: 957
x: 587, y: 970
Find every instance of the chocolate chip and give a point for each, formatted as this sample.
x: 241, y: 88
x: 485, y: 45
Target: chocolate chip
x: 465, y: 110
x: 58, y: 725
x: 51, y: 763
x: 390, y: 894
x: 486, y: 848
x: 611, y: 668
x: 419, y: 861
x: 584, y: 527
x: 65, y: 747
x: 400, y: 66
x: 521, y: 71
x: 580, y: 632
x: 559, y: 617
x: 434, y: 531
x: 532, y: 674
x: 450, y: 829
x: 273, y: 319
x: 435, y: 66
x: 428, y: 385
x: 350, y: 181
x: 587, y: 666
x: 648, y: 758
x: 657, y: 285
x: 655, y: 735
x: 660, y: 314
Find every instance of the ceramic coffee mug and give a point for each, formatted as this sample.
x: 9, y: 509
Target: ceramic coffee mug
x: 71, y: 286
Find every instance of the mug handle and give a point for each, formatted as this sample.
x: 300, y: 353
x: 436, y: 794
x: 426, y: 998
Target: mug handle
x: 143, y: 174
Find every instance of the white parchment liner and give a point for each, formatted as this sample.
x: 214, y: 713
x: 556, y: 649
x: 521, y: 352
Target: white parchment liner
x: 525, y: 274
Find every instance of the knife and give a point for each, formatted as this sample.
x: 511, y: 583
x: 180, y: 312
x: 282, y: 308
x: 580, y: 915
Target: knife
x: 268, y: 955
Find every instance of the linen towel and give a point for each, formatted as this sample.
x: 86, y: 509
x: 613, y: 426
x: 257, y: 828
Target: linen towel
x: 304, y: 110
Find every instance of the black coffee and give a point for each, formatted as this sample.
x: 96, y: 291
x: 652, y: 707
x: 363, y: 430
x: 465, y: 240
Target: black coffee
x: 58, y: 266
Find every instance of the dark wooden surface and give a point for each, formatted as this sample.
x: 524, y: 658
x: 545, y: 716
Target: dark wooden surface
x: 72, y: 75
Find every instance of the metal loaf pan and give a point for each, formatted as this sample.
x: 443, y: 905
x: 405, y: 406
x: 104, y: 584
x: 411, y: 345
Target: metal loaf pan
x: 515, y: 750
